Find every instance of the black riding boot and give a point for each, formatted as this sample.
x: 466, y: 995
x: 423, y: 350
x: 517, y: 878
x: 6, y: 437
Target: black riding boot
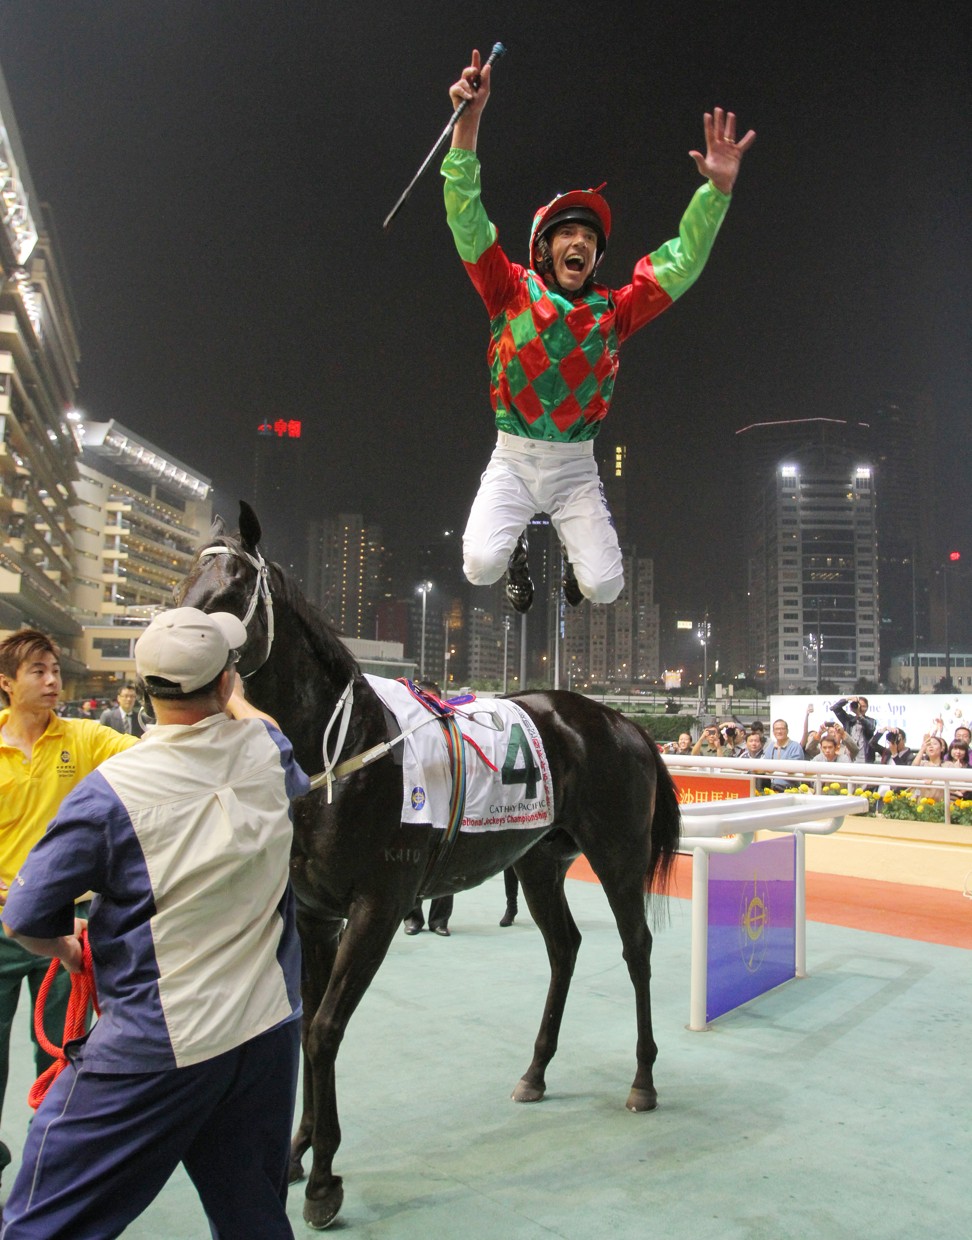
x: 572, y: 591
x: 519, y: 586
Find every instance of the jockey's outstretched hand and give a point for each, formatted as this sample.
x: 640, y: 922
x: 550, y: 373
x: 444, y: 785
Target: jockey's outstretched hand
x: 465, y: 91
x: 723, y: 154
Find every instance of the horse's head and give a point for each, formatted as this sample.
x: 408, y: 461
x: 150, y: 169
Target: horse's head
x: 230, y: 574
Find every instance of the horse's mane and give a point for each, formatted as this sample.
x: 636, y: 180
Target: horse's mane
x: 322, y: 635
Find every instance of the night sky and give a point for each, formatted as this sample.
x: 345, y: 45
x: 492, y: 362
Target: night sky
x: 219, y: 170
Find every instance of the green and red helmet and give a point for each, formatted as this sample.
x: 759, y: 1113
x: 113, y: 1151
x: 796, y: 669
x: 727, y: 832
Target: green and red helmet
x: 585, y: 206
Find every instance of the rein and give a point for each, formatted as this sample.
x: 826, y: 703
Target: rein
x: 261, y: 590
x: 439, y: 711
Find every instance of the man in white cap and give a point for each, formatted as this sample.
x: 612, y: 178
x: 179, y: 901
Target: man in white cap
x: 186, y: 837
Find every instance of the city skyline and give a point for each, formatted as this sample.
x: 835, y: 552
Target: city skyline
x: 218, y: 181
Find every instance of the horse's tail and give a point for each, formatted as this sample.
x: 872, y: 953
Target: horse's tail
x: 665, y: 828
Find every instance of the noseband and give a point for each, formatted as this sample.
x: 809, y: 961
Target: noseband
x: 261, y: 590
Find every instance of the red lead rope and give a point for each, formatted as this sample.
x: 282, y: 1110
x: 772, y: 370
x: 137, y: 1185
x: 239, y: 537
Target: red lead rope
x: 82, y: 993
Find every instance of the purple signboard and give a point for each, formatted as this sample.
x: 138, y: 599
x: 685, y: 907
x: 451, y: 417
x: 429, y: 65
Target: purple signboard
x: 752, y: 944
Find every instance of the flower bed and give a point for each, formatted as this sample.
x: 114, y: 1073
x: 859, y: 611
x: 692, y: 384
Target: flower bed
x: 904, y: 804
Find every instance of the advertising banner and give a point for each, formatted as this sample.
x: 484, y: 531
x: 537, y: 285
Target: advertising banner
x: 752, y: 938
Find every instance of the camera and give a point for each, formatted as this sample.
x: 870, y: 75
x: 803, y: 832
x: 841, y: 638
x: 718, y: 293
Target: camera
x: 854, y: 704
x: 893, y: 735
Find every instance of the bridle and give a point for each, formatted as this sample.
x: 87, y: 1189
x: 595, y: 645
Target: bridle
x: 261, y: 590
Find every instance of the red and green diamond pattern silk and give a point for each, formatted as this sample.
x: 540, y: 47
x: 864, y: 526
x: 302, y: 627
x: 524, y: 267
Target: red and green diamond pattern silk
x: 553, y: 361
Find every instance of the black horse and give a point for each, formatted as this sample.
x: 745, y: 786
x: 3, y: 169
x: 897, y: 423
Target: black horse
x: 357, y: 871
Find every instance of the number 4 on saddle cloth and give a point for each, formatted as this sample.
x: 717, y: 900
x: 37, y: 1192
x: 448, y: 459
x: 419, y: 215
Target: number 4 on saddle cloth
x: 507, y: 776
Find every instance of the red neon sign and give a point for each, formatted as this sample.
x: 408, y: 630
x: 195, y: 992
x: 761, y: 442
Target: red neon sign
x: 283, y: 428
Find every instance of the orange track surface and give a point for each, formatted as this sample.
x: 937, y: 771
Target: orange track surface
x: 928, y: 914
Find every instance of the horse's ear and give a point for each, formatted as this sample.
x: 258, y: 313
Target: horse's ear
x: 250, y: 532
x: 218, y: 527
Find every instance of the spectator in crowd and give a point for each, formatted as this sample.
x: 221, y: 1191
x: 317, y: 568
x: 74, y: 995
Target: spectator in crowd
x: 711, y: 743
x: 783, y: 749
x: 845, y: 747
x: 962, y: 734
x: 858, y: 725
x: 826, y: 749
x: 123, y: 716
x: 732, y: 737
x: 896, y: 752
x: 194, y: 1058
x: 932, y: 754
x: 754, y: 749
x: 684, y: 743
x: 958, y: 754
x: 42, y: 758
x: 754, y: 744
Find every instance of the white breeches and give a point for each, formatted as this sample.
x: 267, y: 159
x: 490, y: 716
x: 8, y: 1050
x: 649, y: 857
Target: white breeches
x: 525, y: 476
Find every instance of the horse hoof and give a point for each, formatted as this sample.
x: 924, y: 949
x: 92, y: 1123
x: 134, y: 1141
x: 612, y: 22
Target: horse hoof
x: 525, y: 1092
x: 321, y: 1212
x: 295, y: 1172
x: 642, y: 1100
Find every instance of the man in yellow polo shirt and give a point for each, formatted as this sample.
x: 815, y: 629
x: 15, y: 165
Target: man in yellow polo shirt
x: 42, y: 757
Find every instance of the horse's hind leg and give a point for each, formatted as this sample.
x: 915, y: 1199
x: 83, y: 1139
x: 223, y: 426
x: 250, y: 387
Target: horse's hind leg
x: 363, y: 947
x: 542, y: 878
x: 625, y: 893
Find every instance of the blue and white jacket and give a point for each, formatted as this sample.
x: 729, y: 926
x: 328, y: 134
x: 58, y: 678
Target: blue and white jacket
x: 186, y: 840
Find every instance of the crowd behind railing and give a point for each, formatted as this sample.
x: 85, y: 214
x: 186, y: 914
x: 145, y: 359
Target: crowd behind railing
x: 848, y: 753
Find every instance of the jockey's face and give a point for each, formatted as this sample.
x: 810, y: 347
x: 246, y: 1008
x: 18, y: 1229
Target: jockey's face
x: 573, y: 249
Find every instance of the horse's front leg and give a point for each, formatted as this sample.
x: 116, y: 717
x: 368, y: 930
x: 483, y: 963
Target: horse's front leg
x: 319, y: 944
x: 364, y: 944
x: 542, y: 879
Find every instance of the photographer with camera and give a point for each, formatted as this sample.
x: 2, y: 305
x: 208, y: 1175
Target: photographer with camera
x: 843, y: 746
x: 712, y: 743
x: 896, y: 751
x: 859, y: 725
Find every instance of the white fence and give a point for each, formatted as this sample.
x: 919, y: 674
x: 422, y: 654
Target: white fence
x: 953, y: 780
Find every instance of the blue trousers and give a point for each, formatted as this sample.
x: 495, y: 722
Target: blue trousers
x: 102, y: 1145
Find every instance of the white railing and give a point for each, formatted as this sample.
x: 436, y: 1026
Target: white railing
x: 952, y: 779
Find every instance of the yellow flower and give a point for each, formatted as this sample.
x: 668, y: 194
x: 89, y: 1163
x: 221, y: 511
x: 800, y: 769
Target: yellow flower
x: 861, y: 792
x: 927, y: 801
x: 836, y: 787
x: 804, y: 788
x: 888, y: 798
x: 843, y: 791
x: 921, y: 807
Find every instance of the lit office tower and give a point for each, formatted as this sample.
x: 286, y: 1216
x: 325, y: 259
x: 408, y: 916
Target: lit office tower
x: 344, y: 571
x: 813, y: 572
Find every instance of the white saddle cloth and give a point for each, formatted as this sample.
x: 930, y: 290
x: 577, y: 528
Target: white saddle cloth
x: 517, y: 794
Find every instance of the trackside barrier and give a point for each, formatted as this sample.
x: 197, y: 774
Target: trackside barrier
x: 728, y: 827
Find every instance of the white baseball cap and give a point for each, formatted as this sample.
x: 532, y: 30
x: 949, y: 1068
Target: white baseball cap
x: 188, y: 647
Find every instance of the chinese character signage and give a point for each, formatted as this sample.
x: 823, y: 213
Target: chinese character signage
x: 282, y: 428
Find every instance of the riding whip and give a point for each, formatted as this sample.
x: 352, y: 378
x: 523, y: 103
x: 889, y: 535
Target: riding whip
x: 495, y: 54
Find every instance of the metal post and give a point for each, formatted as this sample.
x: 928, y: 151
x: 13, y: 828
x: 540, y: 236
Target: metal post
x: 700, y: 940
x: 506, y: 647
x: 800, y: 907
x: 948, y: 650
x: 424, y: 589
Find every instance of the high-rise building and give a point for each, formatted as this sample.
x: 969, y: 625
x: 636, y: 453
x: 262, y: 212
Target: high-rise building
x: 139, y: 515
x: 814, y: 574
x: 38, y: 382
x: 616, y: 644
x: 345, y: 571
